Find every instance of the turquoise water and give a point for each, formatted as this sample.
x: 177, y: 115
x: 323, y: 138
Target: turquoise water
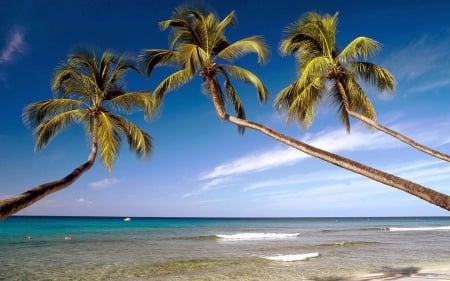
x: 99, y: 248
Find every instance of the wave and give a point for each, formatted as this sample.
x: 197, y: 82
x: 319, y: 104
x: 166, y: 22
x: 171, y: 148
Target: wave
x: 430, y: 228
x: 295, y: 257
x: 257, y: 236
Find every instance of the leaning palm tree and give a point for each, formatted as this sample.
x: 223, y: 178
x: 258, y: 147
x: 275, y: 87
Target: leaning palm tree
x: 327, y: 72
x: 199, y: 46
x: 87, y: 90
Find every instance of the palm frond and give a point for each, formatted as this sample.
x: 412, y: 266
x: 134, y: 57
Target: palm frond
x: 172, y: 82
x: 360, y: 47
x: 115, y: 74
x: 247, y: 76
x: 143, y: 100
x: 337, y: 100
x: 233, y: 96
x: 139, y: 141
x: 193, y: 56
x: 359, y: 101
x: 158, y: 57
x: 300, y: 100
x: 108, y: 138
x: 218, y: 32
x: 317, y: 67
x: 237, y: 49
x: 35, y: 113
x: 375, y: 75
x: 46, y: 130
x: 68, y: 81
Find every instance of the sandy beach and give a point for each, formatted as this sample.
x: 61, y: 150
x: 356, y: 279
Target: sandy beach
x: 438, y: 272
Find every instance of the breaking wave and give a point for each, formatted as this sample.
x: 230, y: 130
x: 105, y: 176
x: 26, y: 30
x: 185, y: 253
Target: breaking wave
x: 257, y: 236
x: 290, y: 258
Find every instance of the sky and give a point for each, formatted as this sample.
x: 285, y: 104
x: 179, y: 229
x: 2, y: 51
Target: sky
x: 200, y: 165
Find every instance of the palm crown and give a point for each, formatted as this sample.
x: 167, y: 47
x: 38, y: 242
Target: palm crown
x: 87, y: 90
x: 198, y: 46
x: 312, y: 40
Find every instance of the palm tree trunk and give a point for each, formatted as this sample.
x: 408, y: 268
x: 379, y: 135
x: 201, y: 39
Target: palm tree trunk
x: 16, y: 203
x: 434, y: 197
x: 399, y: 136
x: 390, y: 132
x: 424, y: 193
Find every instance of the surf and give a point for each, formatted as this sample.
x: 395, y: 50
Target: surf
x: 291, y: 258
x: 257, y: 236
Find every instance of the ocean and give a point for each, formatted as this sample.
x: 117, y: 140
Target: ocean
x: 112, y: 248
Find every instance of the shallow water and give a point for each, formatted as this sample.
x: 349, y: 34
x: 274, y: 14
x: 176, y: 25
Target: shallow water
x: 34, y: 248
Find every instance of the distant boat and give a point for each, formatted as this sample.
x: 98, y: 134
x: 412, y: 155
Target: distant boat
x: 126, y: 219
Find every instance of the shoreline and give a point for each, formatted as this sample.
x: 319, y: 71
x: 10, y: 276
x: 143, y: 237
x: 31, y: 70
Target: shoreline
x: 437, y: 272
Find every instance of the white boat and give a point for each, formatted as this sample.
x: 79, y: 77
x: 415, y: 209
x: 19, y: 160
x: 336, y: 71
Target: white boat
x: 126, y: 219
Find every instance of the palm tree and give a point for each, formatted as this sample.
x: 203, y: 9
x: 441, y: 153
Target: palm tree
x: 199, y: 47
x: 87, y: 91
x: 327, y: 71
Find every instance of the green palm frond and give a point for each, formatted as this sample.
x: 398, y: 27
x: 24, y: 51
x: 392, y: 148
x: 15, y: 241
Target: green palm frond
x: 193, y: 56
x: 233, y: 96
x: 68, y: 81
x: 317, y: 67
x: 300, y: 100
x: 254, y: 44
x: 172, y: 82
x: 359, y: 101
x: 47, y: 129
x: 337, y: 100
x: 375, y: 75
x: 247, y: 76
x: 108, y: 138
x: 35, y: 113
x: 142, y: 100
x: 150, y: 58
x: 116, y: 70
x: 230, y: 19
x: 138, y: 140
x: 360, y: 47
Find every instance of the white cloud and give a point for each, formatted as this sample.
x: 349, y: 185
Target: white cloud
x: 15, y: 44
x: 83, y: 201
x: 433, y: 85
x: 104, y: 183
x: 361, y: 139
x: 330, y: 140
x: 418, y: 58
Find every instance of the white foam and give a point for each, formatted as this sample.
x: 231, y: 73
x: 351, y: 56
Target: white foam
x: 419, y: 228
x: 297, y: 257
x: 257, y: 236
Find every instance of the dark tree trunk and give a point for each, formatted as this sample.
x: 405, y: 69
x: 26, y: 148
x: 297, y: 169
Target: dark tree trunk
x: 16, y: 203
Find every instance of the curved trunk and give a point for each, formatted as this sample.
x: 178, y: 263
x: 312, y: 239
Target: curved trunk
x: 217, y: 100
x: 16, y: 203
x: 390, y: 132
x: 424, y: 193
x: 399, y: 136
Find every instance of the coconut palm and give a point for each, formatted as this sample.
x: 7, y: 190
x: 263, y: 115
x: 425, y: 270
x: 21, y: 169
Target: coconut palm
x: 199, y: 46
x: 87, y: 90
x: 327, y: 72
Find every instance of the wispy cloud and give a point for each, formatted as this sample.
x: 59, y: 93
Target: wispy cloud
x: 104, y: 183
x: 14, y: 45
x: 227, y: 174
x: 343, y: 190
x: 83, y: 201
x: 418, y: 57
x: 430, y: 86
x: 330, y: 140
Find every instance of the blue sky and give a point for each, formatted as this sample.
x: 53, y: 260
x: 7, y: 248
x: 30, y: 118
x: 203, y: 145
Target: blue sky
x: 200, y: 165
